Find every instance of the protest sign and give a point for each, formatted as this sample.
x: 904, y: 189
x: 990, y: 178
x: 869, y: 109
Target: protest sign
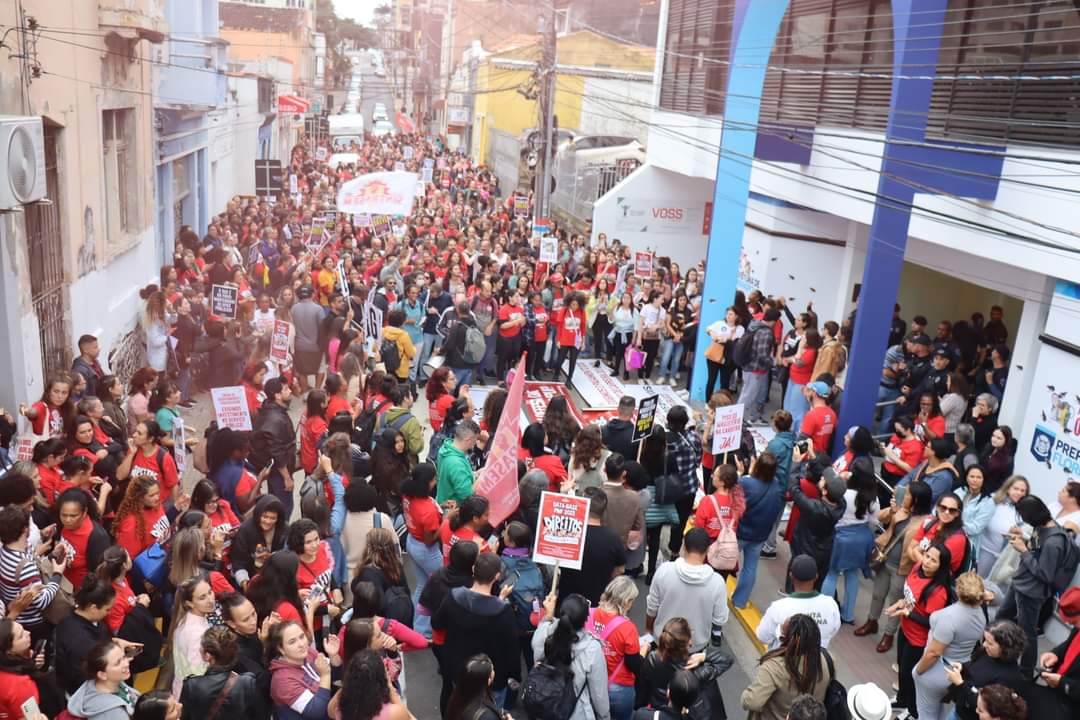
x: 498, y: 479
x: 342, y: 280
x: 380, y: 225
x: 421, y: 189
x: 646, y: 415
x: 317, y: 238
x: 179, y: 445
x: 521, y: 206
x: 279, y: 341
x: 560, y: 530
x: 427, y: 174
x: 321, y: 154
x: 429, y: 163
x: 382, y: 193
x: 538, y: 395
x: 643, y: 264
x: 727, y: 429
x: 361, y: 220
x: 223, y: 300
x: 399, y: 166
x: 549, y: 249
x: 294, y: 184
x: 231, y: 408
x: 407, y: 152
x: 372, y: 321
x: 441, y: 163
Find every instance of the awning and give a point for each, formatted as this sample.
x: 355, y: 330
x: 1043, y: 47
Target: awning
x: 292, y: 103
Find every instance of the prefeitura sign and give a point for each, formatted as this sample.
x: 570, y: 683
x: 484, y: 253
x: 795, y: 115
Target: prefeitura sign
x: 560, y: 531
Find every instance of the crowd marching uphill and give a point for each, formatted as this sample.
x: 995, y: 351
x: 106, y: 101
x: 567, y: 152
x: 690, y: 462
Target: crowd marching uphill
x: 233, y: 601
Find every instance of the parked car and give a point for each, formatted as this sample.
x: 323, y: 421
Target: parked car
x: 382, y: 127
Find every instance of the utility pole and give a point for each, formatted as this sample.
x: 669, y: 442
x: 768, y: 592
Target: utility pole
x: 542, y: 188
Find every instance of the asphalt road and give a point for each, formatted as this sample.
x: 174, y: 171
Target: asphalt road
x: 373, y: 90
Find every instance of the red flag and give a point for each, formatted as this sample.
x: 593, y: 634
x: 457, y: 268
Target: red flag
x: 498, y: 480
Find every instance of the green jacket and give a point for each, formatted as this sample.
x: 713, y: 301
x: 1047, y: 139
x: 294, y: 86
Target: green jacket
x: 454, y: 476
x: 413, y: 432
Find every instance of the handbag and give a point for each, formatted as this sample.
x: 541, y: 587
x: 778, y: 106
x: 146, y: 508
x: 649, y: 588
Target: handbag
x: 635, y: 359
x: 878, y: 555
x: 152, y: 565
x: 63, y: 602
x: 715, y: 352
x: 836, y: 706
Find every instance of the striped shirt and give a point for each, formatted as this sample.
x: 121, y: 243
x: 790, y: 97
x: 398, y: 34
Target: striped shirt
x: 17, y: 571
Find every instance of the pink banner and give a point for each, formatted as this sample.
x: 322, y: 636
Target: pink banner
x: 498, y: 480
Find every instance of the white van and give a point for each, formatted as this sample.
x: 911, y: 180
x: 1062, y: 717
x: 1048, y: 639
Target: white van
x: 346, y: 128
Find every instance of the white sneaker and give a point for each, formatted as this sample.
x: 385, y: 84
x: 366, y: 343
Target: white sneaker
x: 674, y: 381
x: 676, y: 378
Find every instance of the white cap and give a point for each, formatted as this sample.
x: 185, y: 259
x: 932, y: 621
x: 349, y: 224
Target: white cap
x: 868, y: 702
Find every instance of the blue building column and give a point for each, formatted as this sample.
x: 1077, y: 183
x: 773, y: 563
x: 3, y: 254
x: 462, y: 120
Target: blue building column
x: 916, y: 42
x: 756, y: 25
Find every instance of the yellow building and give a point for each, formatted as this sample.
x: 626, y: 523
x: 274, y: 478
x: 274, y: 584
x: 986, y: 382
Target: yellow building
x: 257, y: 33
x: 502, y: 111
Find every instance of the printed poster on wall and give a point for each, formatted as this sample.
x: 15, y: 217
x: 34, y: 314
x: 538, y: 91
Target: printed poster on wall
x: 279, y: 341
x: 549, y: 249
x: 223, y: 300
x: 727, y: 429
x: 231, y: 407
x: 560, y: 530
x: 643, y: 264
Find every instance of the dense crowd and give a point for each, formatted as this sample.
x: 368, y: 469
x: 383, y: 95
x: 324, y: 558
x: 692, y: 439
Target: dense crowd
x: 277, y: 584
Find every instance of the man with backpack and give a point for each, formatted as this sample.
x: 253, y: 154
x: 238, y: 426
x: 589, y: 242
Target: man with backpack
x: 475, y: 621
x: 397, y: 349
x: 804, y: 600
x: 399, y: 417
x: 463, y: 343
x: 754, y: 354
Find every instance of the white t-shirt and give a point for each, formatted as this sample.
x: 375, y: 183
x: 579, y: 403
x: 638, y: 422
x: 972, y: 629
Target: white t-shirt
x: 820, y: 607
x: 652, y: 316
x: 1073, y: 517
x: 721, y: 329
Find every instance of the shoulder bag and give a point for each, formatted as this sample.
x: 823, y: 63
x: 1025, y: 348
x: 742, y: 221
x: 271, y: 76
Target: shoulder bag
x: 63, y: 602
x: 220, y: 700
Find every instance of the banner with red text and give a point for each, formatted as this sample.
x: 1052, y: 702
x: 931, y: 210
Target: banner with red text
x: 560, y: 530
x: 382, y: 193
x: 498, y: 479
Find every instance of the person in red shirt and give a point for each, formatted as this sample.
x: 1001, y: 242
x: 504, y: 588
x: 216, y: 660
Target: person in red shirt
x: 83, y: 537
x: 17, y: 687
x: 423, y: 520
x: 511, y: 322
x: 946, y: 528
x: 276, y: 588
x: 337, y: 400
x: 534, y: 452
x: 312, y: 428
x: 463, y: 525
x: 206, y: 499
x: 726, y: 504
x: 140, y: 519
x: 927, y: 589
x: 315, y: 573
x: 115, y: 564
x: 55, y: 408
x: 252, y: 382
x: 929, y: 423
x: 903, y: 452
x: 48, y: 456
x: 537, y: 317
x: 569, y: 334
x: 820, y: 422
x: 618, y: 637
x: 147, y: 458
x: 440, y: 395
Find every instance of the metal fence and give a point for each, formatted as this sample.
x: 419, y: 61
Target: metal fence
x: 578, y: 188
x: 504, y: 154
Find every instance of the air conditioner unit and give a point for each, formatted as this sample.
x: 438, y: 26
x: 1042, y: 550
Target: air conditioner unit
x: 22, y: 161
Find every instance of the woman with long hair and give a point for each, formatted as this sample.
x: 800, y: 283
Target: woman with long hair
x: 1004, y: 519
x: 366, y: 693
x: 587, y: 458
x: 105, y: 695
x: 51, y: 414
x: 994, y: 662
x: 471, y: 698
x: 998, y: 457
x: 22, y: 674
x: 381, y: 564
x: 798, y: 667
x: 130, y: 618
x: 147, y: 458
x: 679, y: 316
x: 598, y: 311
x: 423, y: 518
x: 978, y: 508
x: 927, y: 589
x: 624, y: 322
x: 114, y: 418
x: 929, y: 422
x: 156, y: 327
x: 854, y: 539
x: 312, y: 429
x: 140, y: 387
x: 719, y: 360
x: 194, y: 604
x: 251, y: 380
x: 276, y: 588
x: 140, y: 520
x: 563, y: 641
x: 439, y: 392
x: 946, y: 527
x: 464, y: 524
x: 901, y: 523
x: 83, y: 629
x: 764, y: 502
x: 800, y: 369
x: 561, y: 428
x: 534, y: 451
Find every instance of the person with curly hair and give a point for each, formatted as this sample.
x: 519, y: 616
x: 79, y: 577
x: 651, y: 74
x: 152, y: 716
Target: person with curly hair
x: 366, y: 694
x: 799, y: 666
x: 997, y: 702
x: 587, y: 458
x: 140, y: 520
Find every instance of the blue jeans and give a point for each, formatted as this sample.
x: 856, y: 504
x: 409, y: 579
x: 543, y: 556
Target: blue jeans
x: 277, y: 489
x: 426, y: 348
x: 795, y: 403
x: 888, y: 412
x: 670, y: 356
x: 464, y: 375
x: 621, y: 700
x: 851, y: 591
x: 751, y: 553
x: 427, y: 559
x: 184, y: 383
x: 498, y: 697
x: 750, y: 397
x: 489, y: 354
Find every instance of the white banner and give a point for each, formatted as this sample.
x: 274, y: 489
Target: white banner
x: 600, y: 391
x: 727, y: 429
x: 383, y: 193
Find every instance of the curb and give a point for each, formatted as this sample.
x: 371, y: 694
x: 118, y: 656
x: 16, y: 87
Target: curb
x: 749, y: 617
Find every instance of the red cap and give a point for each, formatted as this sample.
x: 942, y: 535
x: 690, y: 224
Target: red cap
x: 1069, y: 605
x: 556, y: 277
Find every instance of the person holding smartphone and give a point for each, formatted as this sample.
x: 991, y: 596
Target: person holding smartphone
x: 1059, y: 669
x: 26, y: 691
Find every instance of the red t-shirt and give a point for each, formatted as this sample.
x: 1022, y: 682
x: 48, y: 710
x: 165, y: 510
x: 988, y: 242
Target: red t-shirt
x: 550, y: 464
x: 148, y: 466
x: 49, y: 421
x: 52, y: 484
x: 319, y: 569
x: 917, y: 633
x: 570, y: 327
x: 157, y: 530
x: 288, y: 612
x: 125, y: 603
x: 936, y: 425
x: 77, y: 540
x: 801, y: 370
x: 337, y: 405
x: 910, y: 451
x: 14, y: 691
x: 422, y: 515
x: 705, y: 516
x: 225, y: 519
x: 310, y: 431
x: 540, y: 328
x: 957, y: 542
x: 437, y: 410
x: 622, y: 641
x: 818, y: 425
x: 507, y: 313
x: 450, y: 538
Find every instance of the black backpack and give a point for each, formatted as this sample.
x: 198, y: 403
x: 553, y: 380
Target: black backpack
x: 836, y: 707
x: 744, y: 347
x: 391, y: 358
x: 549, y: 693
x: 363, y: 433
x: 1070, y: 560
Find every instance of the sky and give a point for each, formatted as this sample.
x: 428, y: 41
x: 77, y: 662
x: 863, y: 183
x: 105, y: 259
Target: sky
x: 362, y: 11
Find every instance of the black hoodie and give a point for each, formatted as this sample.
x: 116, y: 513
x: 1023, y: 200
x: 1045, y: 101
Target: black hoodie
x: 250, y: 536
x: 479, y: 623
x: 618, y: 437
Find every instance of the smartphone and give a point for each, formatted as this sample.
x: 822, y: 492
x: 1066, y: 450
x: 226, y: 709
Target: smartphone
x: 132, y: 651
x: 946, y: 663
x: 803, y: 446
x: 39, y: 647
x: 30, y: 708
